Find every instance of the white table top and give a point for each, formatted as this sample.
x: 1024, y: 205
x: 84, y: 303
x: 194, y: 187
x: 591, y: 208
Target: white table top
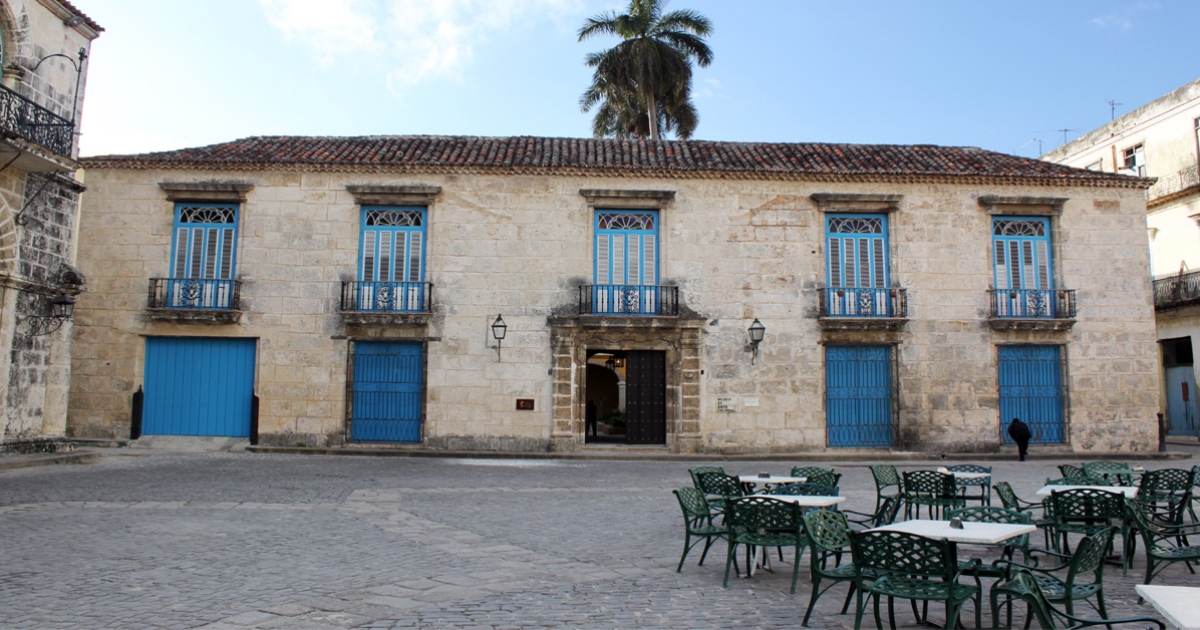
x: 1129, y: 491
x: 1176, y: 603
x: 977, y: 533
x: 804, y: 500
x: 965, y: 475
x: 773, y: 479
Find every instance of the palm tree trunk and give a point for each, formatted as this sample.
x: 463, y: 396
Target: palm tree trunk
x: 652, y: 113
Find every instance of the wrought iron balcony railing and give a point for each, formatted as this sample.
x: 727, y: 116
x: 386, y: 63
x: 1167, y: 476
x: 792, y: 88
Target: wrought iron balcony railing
x: 35, y: 123
x: 1177, y: 290
x: 629, y: 300
x: 195, y: 294
x: 387, y: 297
x: 1032, y: 303
x: 863, y: 302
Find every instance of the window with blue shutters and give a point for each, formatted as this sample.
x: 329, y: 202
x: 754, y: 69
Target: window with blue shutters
x: 1024, y: 275
x: 857, y: 264
x: 203, y: 256
x: 626, y: 262
x: 391, y: 264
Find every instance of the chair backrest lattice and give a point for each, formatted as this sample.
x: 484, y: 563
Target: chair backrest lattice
x: 971, y: 468
x: 1196, y: 475
x: 719, y: 484
x: 1118, y: 471
x: 1071, y: 470
x: 903, y: 553
x: 1008, y: 498
x: 1166, y: 481
x: 806, y: 489
x: 695, y: 473
x: 929, y: 483
x: 1087, y: 504
x: 885, y: 476
x: 827, y: 530
x: 818, y: 474
x: 693, y: 503
x: 886, y: 514
x: 991, y: 514
x: 752, y: 513
x: 1090, y: 555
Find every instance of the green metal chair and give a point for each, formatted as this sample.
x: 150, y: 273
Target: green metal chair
x: 983, y: 483
x: 1025, y: 586
x: 989, y: 514
x: 1010, y: 500
x: 698, y: 523
x: 886, y: 477
x: 1067, y: 589
x: 1162, y: 541
x: 764, y: 522
x: 898, y: 564
x: 717, y: 488
x: 937, y: 491
x: 1084, y: 511
x: 885, y: 515
x: 817, y: 474
x: 1169, y: 490
x: 1117, y: 473
x: 1192, y: 502
x: 829, y: 537
x: 1071, y: 470
x: 695, y: 473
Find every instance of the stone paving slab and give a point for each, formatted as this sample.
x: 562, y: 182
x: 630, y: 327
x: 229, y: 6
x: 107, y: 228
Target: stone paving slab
x: 237, y: 540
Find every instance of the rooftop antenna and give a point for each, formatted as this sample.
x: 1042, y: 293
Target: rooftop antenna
x: 1037, y: 140
x: 1112, y: 109
x: 1064, y: 133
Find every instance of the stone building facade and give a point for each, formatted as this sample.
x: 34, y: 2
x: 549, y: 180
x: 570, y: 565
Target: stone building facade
x: 1162, y: 140
x: 43, y: 55
x: 533, y: 294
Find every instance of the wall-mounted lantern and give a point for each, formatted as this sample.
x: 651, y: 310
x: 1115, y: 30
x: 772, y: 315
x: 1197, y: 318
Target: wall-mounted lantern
x: 62, y: 309
x: 499, y: 329
x: 757, y: 330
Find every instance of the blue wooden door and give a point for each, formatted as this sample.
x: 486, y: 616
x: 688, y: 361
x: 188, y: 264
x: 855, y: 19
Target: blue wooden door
x: 626, y: 263
x: 858, y: 395
x: 1031, y: 389
x: 387, y: 399
x: 1181, y: 401
x: 198, y: 386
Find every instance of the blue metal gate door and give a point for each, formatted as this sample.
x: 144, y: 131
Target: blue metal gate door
x: 198, y: 386
x: 1031, y: 389
x: 386, y: 403
x: 858, y: 395
x: 1181, y: 401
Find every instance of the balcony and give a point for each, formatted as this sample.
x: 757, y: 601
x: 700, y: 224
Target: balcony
x: 621, y: 300
x: 1167, y: 185
x: 386, y: 303
x: 22, y: 117
x: 1177, y: 291
x: 1031, y: 309
x: 862, y: 309
x: 195, y: 300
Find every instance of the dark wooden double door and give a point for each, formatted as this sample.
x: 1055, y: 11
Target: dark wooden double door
x: 646, y: 397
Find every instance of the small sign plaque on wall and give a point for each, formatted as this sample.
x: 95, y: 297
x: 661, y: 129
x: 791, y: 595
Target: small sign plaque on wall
x: 524, y: 404
x: 726, y: 404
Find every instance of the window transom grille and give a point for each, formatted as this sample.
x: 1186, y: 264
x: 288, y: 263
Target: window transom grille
x: 1011, y: 227
x: 626, y: 221
x: 394, y: 218
x: 206, y: 214
x: 855, y: 225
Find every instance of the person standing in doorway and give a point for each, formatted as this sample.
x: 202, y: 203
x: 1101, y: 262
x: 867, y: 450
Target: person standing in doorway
x: 1019, y: 432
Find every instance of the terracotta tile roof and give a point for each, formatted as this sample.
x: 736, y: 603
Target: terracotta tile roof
x: 86, y: 20
x: 591, y: 156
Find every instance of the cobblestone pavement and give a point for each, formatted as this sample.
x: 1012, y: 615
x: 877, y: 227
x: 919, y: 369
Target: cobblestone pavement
x: 235, y: 541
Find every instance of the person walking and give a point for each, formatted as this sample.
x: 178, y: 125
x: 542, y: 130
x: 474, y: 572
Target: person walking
x: 1019, y: 432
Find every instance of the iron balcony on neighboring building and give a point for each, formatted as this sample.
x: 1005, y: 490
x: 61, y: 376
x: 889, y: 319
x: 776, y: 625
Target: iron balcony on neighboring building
x: 26, y: 119
x: 195, y: 299
x: 365, y: 303
x: 1031, y: 309
x: 862, y: 309
x: 1177, y: 291
x: 629, y: 300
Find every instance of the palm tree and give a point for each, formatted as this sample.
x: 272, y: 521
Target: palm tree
x: 644, y: 83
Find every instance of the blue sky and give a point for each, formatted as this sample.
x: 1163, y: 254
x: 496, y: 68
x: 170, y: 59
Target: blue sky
x: 179, y: 73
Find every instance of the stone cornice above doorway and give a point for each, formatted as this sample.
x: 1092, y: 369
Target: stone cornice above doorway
x: 407, y: 195
x: 615, y: 198
x: 210, y: 191
x: 848, y: 202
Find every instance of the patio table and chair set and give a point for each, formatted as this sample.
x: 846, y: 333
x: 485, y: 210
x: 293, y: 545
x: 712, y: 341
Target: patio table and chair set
x: 1081, y: 516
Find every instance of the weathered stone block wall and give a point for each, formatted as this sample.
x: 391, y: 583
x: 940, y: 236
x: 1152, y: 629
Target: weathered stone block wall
x: 519, y: 246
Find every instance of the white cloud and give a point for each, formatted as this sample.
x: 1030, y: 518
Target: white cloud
x: 710, y: 88
x: 417, y: 39
x: 1122, y: 18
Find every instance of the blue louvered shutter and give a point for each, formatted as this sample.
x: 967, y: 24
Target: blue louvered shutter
x: 392, y: 258
x: 205, y: 235
x: 857, y: 264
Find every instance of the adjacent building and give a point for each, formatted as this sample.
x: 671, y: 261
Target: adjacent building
x: 1161, y: 140
x: 44, y: 47
x: 533, y: 294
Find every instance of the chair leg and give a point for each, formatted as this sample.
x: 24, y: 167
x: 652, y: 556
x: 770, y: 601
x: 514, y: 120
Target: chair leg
x: 878, y: 622
x: 892, y: 612
x: 995, y: 597
x: 849, y: 594
x: 1100, y: 606
x: 812, y: 601
x: 796, y: 567
x: 952, y: 612
x: 708, y: 541
x: 729, y: 561
x: 687, y: 539
x: 916, y: 612
x: 858, y: 610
